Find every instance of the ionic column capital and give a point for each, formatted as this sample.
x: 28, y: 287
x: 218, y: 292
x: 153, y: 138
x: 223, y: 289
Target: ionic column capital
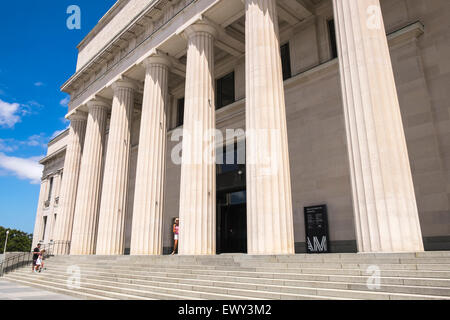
x: 124, y: 84
x: 96, y: 104
x: 200, y: 26
x: 157, y: 59
x: 77, y: 116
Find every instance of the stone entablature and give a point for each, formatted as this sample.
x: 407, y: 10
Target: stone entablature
x: 106, y: 54
x: 54, y: 161
x: 57, y: 142
x: 54, y: 164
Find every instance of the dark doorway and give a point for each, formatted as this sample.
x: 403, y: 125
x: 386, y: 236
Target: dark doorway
x: 232, y: 223
x: 231, y: 205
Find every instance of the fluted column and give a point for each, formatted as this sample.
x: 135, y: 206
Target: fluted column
x: 111, y: 224
x: 269, y: 200
x: 146, y: 236
x: 198, y: 171
x: 69, y: 183
x: 38, y: 222
x: 88, y: 194
x: 386, y: 217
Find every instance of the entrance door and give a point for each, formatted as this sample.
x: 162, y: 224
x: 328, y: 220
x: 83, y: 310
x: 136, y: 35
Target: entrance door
x: 232, y: 223
x: 231, y: 204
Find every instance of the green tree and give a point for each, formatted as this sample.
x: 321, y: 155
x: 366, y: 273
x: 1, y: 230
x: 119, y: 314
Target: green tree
x: 18, y: 241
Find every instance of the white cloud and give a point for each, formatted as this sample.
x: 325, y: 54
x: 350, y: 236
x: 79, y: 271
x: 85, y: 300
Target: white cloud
x: 23, y: 168
x: 8, y: 114
x: 37, y: 140
x: 11, y: 113
x: 65, y: 102
x: 34, y: 103
x: 7, y: 145
x: 39, y: 84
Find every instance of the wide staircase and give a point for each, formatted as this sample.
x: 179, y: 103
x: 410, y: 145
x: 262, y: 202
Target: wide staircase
x: 423, y: 275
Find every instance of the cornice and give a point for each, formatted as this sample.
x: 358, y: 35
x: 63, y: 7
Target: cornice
x: 59, y: 137
x: 54, y: 155
x: 110, y: 49
x: 107, y: 17
x: 403, y: 35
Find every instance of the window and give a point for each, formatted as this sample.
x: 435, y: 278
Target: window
x: 50, y: 189
x: 286, y: 61
x: 45, y: 228
x: 180, y: 112
x: 332, y: 35
x: 225, y: 91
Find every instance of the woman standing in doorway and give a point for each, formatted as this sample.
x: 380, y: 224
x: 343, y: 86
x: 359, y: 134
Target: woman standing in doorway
x: 176, y: 230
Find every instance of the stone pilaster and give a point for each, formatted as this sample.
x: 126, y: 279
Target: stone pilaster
x: 386, y: 217
x: 54, y: 213
x: 146, y: 236
x: 269, y: 200
x: 111, y: 224
x: 88, y: 194
x: 38, y: 222
x: 69, y: 183
x: 198, y: 170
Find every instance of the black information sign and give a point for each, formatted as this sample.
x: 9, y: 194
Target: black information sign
x: 316, y: 225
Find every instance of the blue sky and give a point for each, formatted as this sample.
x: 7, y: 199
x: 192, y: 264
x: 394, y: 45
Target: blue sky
x: 38, y: 54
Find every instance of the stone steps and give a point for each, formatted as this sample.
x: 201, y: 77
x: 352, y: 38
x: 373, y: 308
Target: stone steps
x: 86, y: 289
x: 356, y: 270
x: 298, y: 287
x: 425, y: 257
x: 269, y: 278
x: 261, y: 264
x: 54, y: 287
x: 186, y: 292
x: 424, y: 276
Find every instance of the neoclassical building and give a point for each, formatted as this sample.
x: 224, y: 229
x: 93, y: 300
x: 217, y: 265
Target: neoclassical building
x: 343, y: 103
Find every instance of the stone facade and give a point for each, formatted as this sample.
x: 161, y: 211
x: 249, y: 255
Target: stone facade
x: 49, y: 197
x: 384, y: 181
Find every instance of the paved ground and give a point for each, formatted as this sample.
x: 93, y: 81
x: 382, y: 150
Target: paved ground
x: 13, y: 291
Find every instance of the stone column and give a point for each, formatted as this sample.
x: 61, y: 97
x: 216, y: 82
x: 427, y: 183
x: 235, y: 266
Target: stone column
x: 386, y: 217
x: 38, y: 222
x: 69, y: 183
x: 198, y: 169
x: 111, y: 224
x: 88, y: 194
x: 146, y: 236
x: 269, y: 200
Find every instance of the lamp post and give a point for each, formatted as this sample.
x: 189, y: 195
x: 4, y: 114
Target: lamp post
x: 4, y: 252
